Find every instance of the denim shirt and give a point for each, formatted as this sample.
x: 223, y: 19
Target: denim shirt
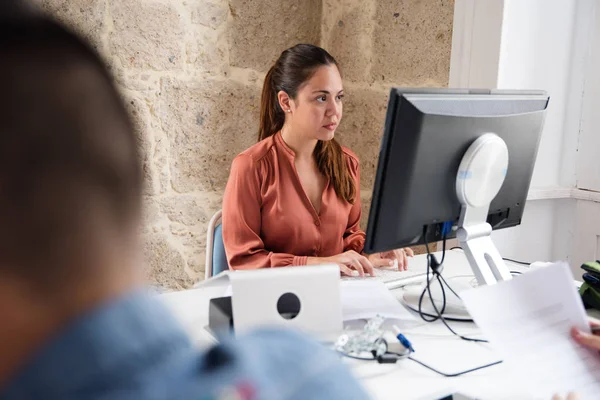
x: 132, y: 348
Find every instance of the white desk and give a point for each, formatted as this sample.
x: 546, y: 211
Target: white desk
x: 433, y: 343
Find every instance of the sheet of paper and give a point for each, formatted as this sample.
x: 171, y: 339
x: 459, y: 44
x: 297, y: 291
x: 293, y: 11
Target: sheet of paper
x: 527, y: 320
x: 367, y: 299
x: 220, y: 280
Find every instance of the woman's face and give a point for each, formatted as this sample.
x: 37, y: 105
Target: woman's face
x: 316, y: 111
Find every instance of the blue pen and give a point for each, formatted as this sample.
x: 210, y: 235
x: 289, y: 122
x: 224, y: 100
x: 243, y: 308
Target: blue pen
x: 403, y: 340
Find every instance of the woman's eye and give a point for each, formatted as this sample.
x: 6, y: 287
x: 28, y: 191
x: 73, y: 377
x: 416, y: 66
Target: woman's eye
x: 322, y: 99
x: 340, y: 97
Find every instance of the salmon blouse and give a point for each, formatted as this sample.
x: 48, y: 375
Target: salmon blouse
x: 269, y: 221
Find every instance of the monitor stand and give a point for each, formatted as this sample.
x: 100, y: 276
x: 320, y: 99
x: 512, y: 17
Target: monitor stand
x: 480, y: 176
x: 454, y: 310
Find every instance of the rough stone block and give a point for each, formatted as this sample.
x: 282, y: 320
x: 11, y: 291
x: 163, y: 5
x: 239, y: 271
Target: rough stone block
x: 209, y: 14
x: 262, y: 29
x: 191, y: 210
x: 84, y: 16
x: 193, y: 241
x: 350, y: 40
x: 140, y: 115
x: 362, y: 127
x: 164, y: 171
x: 412, y: 42
x: 208, y: 123
x: 146, y: 35
x: 150, y: 213
x: 207, y: 53
x: 189, y: 216
x: 135, y: 81
x: 197, y: 260
x: 165, y: 264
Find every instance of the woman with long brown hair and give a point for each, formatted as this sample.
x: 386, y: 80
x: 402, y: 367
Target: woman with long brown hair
x: 294, y: 198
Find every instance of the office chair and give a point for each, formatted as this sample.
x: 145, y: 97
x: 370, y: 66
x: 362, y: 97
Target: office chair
x: 216, y: 260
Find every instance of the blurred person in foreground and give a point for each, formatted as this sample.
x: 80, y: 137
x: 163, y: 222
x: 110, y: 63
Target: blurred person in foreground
x: 76, y: 322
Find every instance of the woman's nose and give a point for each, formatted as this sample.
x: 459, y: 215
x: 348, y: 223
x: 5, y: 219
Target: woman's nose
x: 332, y: 108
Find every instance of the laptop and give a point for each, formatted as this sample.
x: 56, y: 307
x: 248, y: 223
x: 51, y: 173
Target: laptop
x: 305, y: 299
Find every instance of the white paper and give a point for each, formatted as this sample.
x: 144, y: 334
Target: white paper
x: 528, y: 321
x: 221, y: 280
x: 367, y: 299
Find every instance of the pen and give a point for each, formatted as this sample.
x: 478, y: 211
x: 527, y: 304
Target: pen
x: 403, y: 340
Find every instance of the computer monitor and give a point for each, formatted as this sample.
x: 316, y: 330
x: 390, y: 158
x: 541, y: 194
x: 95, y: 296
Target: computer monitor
x: 442, y: 144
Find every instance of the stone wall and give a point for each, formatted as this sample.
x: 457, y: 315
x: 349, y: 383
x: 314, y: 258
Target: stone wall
x: 191, y: 72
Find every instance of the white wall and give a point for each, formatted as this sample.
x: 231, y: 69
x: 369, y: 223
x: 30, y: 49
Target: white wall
x: 588, y: 172
x: 552, y: 45
x: 533, y: 239
x: 476, y: 43
x: 535, y: 53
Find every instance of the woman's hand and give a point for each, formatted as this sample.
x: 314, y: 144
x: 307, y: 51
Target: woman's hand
x: 386, y: 258
x: 588, y: 339
x: 348, y: 261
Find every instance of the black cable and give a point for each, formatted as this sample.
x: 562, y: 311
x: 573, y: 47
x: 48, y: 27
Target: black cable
x: 357, y: 357
x: 457, y: 373
x: 443, y: 249
x: 400, y: 356
x: 448, y: 286
x: 428, y: 289
x: 428, y: 285
x: 517, y: 262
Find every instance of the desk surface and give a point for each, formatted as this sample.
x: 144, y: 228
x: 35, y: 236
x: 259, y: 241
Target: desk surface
x: 433, y: 343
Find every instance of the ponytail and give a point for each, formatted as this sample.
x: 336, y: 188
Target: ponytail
x: 271, y: 114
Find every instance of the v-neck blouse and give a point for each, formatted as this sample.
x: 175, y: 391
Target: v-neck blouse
x: 269, y: 221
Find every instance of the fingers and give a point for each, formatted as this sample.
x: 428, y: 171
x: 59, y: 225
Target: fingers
x: 366, y: 264
x: 409, y: 252
x: 384, y: 259
x: 355, y: 264
x: 594, y: 322
x: 345, y: 271
x: 400, y: 255
x: 380, y: 260
x: 404, y: 260
x: 363, y: 263
x: 359, y: 263
x: 586, y: 339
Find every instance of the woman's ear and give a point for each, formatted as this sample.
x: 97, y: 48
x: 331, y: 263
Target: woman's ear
x: 284, y: 101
